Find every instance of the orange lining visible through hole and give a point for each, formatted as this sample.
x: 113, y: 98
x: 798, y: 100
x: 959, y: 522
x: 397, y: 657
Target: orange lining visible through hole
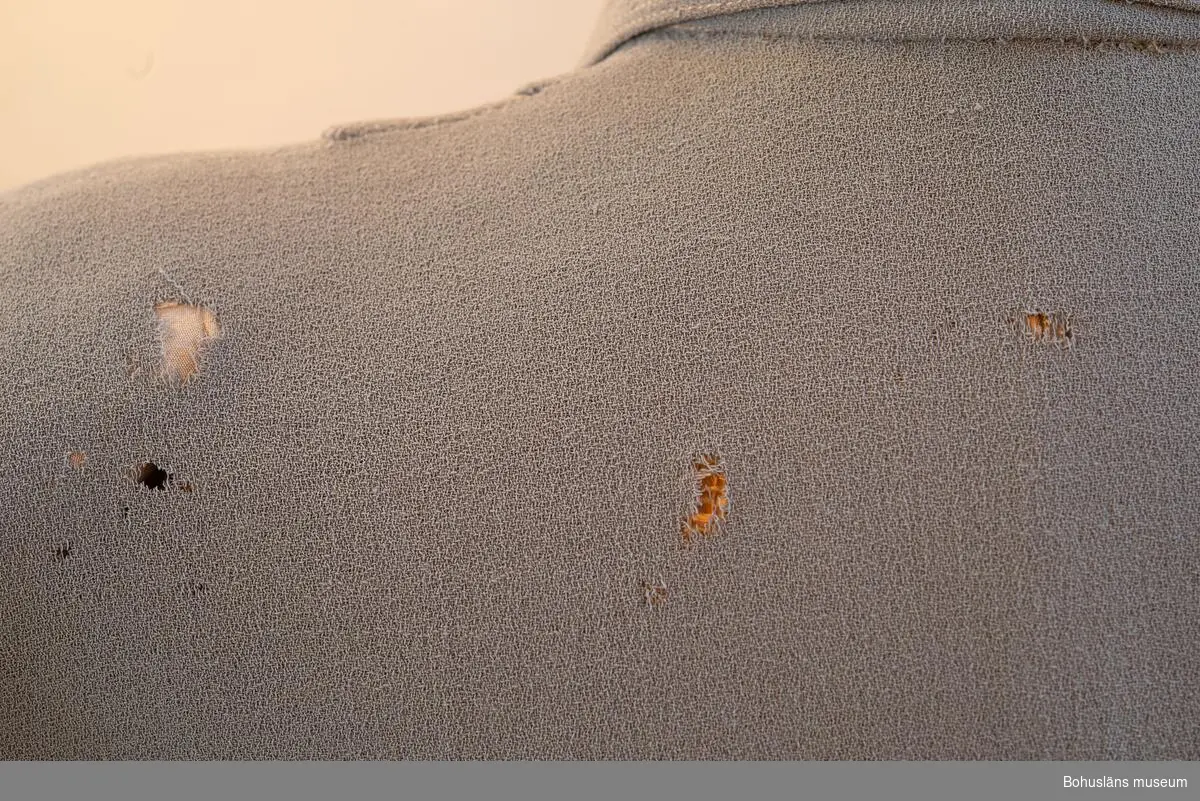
x: 76, y: 459
x: 711, y: 502
x: 1042, y: 327
x: 183, y: 329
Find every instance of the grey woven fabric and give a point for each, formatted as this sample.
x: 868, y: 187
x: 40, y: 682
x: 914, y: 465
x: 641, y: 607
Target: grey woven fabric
x: 386, y: 445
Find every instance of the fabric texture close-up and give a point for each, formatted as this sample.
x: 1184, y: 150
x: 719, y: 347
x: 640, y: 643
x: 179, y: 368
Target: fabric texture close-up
x: 791, y: 380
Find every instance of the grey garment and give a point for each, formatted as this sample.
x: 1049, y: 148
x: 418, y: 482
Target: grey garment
x: 425, y: 401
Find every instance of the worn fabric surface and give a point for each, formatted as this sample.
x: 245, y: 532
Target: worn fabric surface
x: 382, y: 445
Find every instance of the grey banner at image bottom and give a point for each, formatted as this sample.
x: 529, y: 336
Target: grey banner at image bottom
x: 1095, y: 781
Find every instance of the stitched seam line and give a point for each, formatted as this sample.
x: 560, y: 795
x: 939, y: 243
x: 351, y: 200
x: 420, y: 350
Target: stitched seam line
x: 1101, y: 43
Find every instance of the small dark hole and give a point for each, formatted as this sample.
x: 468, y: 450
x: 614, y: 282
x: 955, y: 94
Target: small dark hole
x: 62, y: 552
x: 196, y: 588
x: 151, y: 475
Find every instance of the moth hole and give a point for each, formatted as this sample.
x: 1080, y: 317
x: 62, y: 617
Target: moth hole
x: 148, y: 474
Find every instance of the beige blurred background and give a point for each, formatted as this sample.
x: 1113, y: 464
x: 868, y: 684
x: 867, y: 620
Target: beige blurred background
x: 83, y: 81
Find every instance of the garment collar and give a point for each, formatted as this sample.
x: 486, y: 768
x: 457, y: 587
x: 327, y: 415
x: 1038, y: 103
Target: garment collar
x: 621, y: 20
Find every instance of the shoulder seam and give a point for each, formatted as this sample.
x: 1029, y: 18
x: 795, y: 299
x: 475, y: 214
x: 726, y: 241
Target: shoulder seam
x: 359, y: 130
